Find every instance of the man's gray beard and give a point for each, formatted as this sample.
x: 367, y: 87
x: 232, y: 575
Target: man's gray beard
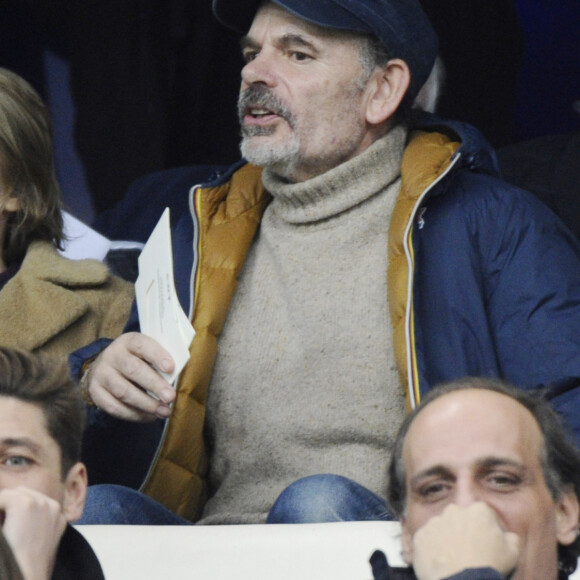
x: 278, y: 157
x: 281, y: 158
x: 286, y: 159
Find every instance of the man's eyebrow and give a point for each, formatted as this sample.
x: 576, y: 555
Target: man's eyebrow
x: 491, y: 462
x: 248, y: 42
x: 285, y: 41
x: 289, y: 40
x: 10, y: 442
x: 482, y: 464
x: 436, y: 470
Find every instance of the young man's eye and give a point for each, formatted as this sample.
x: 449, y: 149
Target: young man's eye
x: 17, y: 461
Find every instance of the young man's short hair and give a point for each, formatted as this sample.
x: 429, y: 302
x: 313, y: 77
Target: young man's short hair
x: 45, y: 381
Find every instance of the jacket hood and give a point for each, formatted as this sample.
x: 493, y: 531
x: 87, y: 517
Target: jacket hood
x: 475, y: 150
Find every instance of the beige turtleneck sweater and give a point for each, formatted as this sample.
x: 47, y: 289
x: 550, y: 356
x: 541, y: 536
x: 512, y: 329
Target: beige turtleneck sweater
x: 305, y: 380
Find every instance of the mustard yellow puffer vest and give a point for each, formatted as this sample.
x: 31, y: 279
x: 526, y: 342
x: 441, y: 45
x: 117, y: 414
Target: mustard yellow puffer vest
x: 227, y: 219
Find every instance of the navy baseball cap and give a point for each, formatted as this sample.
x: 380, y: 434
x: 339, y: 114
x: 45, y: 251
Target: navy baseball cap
x: 400, y: 25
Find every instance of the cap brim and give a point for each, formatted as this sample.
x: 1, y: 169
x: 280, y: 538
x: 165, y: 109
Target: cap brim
x: 239, y: 15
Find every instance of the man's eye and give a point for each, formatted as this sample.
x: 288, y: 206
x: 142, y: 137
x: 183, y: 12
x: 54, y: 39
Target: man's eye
x: 17, y: 461
x: 503, y: 481
x: 433, y: 491
x: 249, y: 55
x: 300, y: 56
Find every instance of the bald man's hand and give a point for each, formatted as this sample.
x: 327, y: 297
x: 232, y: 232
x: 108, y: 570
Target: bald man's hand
x: 461, y: 538
x: 124, y: 381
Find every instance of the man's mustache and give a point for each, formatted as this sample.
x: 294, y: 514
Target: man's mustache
x: 260, y: 97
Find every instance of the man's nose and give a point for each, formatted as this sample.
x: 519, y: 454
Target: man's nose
x: 260, y: 69
x: 466, y: 493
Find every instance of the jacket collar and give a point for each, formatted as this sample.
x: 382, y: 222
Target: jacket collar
x: 475, y: 151
x: 39, y: 302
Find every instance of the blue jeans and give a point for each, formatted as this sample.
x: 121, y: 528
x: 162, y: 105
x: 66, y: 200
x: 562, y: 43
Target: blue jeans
x: 115, y: 504
x: 327, y: 498
x: 313, y: 499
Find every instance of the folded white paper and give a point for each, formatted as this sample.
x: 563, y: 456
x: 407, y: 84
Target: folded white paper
x: 160, y: 314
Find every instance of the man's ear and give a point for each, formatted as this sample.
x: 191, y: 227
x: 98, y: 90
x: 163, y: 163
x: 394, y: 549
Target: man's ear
x: 387, y: 88
x: 75, y: 492
x: 406, y: 542
x: 567, y: 517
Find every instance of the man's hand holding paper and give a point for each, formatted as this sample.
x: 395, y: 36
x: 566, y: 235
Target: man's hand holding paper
x: 160, y: 314
x: 132, y: 378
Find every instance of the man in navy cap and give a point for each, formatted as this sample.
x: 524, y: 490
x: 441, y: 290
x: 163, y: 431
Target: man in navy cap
x: 358, y: 255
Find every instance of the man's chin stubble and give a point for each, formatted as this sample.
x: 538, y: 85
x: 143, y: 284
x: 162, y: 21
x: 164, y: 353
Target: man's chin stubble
x: 281, y: 160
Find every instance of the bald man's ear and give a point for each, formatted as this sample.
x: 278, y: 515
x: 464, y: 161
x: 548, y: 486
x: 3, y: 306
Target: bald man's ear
x: 567, y: 517
x: 75, y: 492
x: 386, y: 90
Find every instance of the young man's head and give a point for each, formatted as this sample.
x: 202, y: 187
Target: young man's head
x: 42, y: 418
x: 324, y: 78
x: 479, y: 440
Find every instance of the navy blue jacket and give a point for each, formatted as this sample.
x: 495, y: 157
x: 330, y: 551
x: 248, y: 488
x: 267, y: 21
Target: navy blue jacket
x: 495, y: 274
x: 497, y: 284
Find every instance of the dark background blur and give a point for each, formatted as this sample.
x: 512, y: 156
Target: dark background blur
x: 136, y: 86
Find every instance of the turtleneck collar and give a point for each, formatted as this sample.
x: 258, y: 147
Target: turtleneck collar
x: 341, y: 188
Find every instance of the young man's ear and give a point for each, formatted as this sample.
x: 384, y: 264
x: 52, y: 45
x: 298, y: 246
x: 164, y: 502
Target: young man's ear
x: 567, y: 517
x: 387, y: 88
x: 75, y: 492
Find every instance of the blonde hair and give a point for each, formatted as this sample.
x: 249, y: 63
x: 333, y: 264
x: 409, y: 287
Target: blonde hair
x: 27, y: 168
